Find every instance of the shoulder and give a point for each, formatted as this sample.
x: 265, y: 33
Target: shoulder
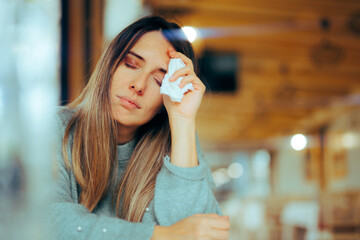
x: 63, y: 116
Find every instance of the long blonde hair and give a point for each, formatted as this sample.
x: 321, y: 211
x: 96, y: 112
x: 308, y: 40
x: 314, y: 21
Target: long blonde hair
x: 92, y: 130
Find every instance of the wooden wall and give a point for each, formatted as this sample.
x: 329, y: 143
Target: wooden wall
x: 284, y: 87
x: 82, y: 41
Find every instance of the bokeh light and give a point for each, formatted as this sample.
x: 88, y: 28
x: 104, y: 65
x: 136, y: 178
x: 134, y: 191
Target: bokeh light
x: 221, y: 176
x: 349, y: 140
x: 298, y: 142
x: 190, y: 33
x: 235, y: 170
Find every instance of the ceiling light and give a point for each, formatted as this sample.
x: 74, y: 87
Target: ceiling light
x: 298, y: 142
x: 190, y: 33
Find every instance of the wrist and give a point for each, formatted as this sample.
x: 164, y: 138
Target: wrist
x: 180, y: 121
x: 180, y: 118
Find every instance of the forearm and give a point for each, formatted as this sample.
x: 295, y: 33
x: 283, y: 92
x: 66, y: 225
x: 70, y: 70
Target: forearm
x: 159, y: 233
x: 183, y: 143
x: 183, y: 191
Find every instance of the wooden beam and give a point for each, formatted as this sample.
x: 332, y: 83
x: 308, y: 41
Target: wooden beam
x: 263, y: 7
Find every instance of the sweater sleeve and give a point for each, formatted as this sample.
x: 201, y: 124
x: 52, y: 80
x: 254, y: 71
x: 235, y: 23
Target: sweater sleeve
x: 66, y: 219
x: 182, y: 192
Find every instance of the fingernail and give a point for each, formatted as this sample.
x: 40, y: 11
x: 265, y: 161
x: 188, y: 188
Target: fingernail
x: 171, y: 78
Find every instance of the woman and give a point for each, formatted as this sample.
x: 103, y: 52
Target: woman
x: 129, y: 167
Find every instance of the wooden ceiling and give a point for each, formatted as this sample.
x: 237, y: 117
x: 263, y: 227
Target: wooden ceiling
x: 286, y: 84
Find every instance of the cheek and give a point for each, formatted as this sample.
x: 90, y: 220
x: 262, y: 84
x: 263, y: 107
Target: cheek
x: 120, y: 78
x: 156, y: 102
x: 116, y: 84
x: 158, y: 98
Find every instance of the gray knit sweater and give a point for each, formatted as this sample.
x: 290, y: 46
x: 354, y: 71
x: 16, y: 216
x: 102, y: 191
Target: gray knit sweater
x: 179, y: 193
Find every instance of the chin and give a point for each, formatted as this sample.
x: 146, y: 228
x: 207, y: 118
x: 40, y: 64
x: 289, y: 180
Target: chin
x: 128, y: 121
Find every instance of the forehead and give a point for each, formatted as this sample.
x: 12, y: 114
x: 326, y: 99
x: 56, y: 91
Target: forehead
x: 152, y: 44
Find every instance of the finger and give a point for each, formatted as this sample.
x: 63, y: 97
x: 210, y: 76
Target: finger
x: 197, y: 85
x: 219, y: 234
x: 214, y: 215
x: 180, y: 72
x: 166, y: 98
x: 186, y: 80
x: 211, y: 215
x: 185, y: 59
x: 172, y: 52
x: 220, y: 224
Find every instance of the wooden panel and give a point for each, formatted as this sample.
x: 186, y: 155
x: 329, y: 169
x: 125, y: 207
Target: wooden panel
x: 85, y: 42
x: 262, y: 7
x: 76, y: 50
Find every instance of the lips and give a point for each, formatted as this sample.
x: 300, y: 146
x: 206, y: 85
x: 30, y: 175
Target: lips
x: 129, y: 102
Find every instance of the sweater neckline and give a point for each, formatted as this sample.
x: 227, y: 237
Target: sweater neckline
x: 125, y: 151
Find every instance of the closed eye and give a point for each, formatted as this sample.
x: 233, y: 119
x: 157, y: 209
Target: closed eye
x: 131, y: 66
x: 158, y: 82
x: 159, y: 76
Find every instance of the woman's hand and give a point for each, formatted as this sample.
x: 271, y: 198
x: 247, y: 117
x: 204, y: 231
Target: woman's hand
x: 195, y: 227
x: 191, y: 101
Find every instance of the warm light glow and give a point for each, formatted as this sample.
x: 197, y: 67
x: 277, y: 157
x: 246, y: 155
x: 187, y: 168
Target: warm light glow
x: 190, y: 33
x: 235, y: 170
x: 349, y: 140
x: 298, y: 142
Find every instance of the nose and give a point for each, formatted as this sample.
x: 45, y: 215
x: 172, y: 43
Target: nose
x: 139, y: 85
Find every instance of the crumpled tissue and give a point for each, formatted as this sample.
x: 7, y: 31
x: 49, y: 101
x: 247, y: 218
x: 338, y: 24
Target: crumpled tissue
x: 172, y: 89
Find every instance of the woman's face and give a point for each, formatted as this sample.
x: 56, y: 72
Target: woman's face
x: 135, y: 86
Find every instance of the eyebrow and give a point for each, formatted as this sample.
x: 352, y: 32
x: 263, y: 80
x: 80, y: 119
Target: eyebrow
x: 142, y: 59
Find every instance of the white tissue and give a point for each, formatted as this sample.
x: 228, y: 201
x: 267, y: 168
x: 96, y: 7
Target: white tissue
x: 172, y: 89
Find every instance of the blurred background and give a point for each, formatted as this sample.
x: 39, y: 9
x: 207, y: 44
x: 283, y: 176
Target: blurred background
x: 279, y: 124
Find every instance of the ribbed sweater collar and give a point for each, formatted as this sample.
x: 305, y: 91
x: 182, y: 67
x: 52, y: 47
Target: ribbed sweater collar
x: 125, y: 151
